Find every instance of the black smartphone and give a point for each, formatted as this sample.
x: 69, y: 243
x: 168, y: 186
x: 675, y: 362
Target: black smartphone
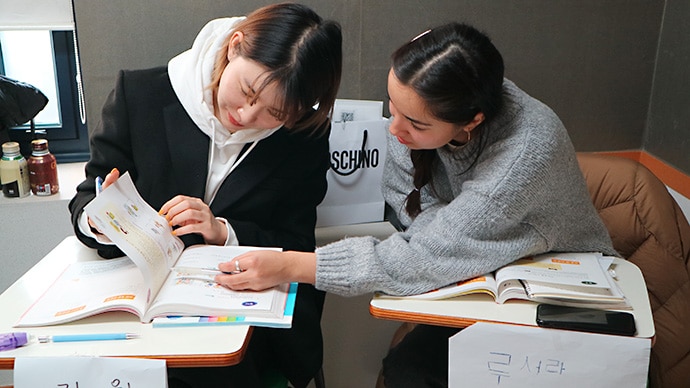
x: 585, y: 319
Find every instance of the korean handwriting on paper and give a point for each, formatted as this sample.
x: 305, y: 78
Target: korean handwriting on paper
x: 115, y: 383
x: 502, y: 364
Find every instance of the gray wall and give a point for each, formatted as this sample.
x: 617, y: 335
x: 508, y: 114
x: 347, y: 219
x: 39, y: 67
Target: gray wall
x: 30, y: 229
x: 592, y: 61
x: 668, y: 128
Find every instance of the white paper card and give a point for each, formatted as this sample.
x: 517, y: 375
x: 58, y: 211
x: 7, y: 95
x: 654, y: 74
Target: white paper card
x: 356, y: 110
x: 499, y: 355
x: 84, y: 372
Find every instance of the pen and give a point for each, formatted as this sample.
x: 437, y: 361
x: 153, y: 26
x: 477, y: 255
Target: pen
x: 99, y: 185
x: 86, y: 337
x: 202, y: 271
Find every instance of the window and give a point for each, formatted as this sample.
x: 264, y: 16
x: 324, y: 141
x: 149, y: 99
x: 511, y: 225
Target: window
x: 47, y: 60
x: 38, y: 47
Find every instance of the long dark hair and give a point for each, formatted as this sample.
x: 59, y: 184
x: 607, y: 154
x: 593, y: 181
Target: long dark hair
x: 458, y: 73
x: 303, y: 55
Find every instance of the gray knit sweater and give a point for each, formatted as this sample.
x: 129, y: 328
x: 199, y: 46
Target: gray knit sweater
x: 524, y: 195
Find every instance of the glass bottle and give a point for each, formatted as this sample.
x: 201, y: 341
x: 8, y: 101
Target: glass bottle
x: 42, y: 169
x: 14, y: 171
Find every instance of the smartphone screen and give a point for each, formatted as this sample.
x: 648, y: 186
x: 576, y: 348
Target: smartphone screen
x: 586, y: 319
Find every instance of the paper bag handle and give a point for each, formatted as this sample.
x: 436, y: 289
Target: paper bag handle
x: 360, y: 161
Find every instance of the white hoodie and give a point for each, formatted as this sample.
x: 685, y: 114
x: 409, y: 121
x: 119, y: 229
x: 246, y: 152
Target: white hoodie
x: 190, y: 74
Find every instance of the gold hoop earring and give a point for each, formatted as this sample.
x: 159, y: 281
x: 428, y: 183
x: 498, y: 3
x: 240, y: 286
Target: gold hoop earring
x: 457, y: 145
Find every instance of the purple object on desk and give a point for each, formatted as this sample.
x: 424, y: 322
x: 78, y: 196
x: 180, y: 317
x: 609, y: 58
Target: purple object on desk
x: 9, y: 341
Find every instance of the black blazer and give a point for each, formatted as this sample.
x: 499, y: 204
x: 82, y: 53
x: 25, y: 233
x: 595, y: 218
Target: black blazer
x: 270, y: 199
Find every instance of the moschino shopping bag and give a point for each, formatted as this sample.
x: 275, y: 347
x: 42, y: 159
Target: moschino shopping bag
x: 357, y: 156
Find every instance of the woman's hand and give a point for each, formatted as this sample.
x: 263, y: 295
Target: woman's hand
x: 109, y: 179
x: 112, y: 176
x: 264, y: 269
x: 192, y: 215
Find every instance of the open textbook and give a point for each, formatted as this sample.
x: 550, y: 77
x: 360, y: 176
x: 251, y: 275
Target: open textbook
x: 158, y: 277
x: 577, y: 279
x: 182, y: 321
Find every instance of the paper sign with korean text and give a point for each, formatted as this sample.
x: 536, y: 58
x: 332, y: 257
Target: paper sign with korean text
x: 84, y: 372
x: 499, y: 355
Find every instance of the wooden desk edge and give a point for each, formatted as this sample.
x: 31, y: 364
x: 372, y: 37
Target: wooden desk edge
x: 440, y: 320
x: 426, y: 319
x: 178, y: 361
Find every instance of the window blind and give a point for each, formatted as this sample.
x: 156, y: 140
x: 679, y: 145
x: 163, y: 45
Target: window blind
x: 36, y: 15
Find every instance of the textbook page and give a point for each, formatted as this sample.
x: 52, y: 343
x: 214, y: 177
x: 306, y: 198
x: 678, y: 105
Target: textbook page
x: 209, y: 256
x: 563, y: 278
x: 284, y: 322
x: 566, y: 269
x: 192, y: 295
x: 575, y: 279
x: 135, y: 227
x: 485, y: 284
x: 611, y: 297
x: 190, y: 287
x: 86, y: 288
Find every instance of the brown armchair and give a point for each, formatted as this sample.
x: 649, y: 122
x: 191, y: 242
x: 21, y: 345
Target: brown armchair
x: 649, y: 229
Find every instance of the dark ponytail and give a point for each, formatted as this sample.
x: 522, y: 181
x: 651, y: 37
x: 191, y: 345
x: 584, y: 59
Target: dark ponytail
x: 423, y: 163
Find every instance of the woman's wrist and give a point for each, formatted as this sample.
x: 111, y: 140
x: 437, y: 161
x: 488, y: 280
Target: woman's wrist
x: 301, y: 266
x: 220, y: 233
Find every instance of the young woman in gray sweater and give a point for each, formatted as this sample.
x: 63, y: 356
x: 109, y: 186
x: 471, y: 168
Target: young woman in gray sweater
x: 479, y: 173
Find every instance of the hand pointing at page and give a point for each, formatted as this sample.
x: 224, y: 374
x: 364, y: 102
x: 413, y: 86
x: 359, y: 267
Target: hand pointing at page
x: 263, y: 269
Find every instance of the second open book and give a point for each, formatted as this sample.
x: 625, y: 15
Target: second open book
x: 576, y: 279
x: 144, y: 282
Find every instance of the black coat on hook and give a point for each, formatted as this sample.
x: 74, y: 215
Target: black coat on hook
x: 19, y: 103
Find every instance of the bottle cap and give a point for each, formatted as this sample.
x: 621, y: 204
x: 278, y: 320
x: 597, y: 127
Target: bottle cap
x: 39, y: 145
x: 9, y: 341
x: 10, y: 147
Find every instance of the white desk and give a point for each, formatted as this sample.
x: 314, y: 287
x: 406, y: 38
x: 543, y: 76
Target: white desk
x: 192, y: 346
x: 328, y: 234
x: 465, y: 310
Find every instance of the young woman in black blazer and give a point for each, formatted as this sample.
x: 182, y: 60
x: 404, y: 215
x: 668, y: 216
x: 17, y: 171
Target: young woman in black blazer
x: 230, y: 142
